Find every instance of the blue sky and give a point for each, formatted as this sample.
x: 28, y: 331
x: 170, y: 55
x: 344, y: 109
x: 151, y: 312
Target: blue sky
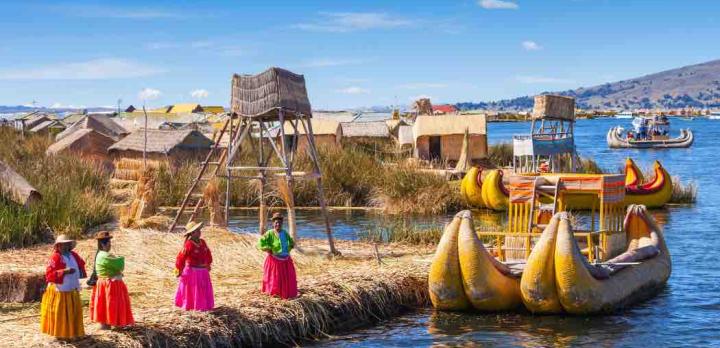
x: 352, y: 53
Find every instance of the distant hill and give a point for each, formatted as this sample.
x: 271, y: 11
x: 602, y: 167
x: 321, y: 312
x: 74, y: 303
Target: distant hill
x: 696, y: 86
x: 13, y: 109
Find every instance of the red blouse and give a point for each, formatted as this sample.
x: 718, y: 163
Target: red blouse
x: 54, y: 270
x: 193, y: 254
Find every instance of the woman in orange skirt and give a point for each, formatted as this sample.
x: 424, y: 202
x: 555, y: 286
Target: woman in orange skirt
x: 110, y: 301
x: 61, y: 309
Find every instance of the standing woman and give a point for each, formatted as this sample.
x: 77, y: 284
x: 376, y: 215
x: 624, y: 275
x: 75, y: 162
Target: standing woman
x: 195, y: 291
x: 279, y: 278
x: 61, y: 309
x: 110, y: 301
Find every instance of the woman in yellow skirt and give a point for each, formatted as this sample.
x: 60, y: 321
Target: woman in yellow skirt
x: 61, y: 310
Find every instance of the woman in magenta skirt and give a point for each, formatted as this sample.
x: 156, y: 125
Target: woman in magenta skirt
x: 192, y: 265
x: 279, y: 277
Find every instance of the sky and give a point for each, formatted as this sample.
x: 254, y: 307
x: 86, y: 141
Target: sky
x: 352, y: 53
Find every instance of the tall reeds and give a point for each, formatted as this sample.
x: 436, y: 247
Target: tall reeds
x: 75, y: 192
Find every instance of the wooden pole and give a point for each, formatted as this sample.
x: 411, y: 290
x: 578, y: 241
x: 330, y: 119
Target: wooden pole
x: 145, y: 140
x: 228, y: 179
x: 290, y: 199
x: 262, y: 226
x: 321, y: 192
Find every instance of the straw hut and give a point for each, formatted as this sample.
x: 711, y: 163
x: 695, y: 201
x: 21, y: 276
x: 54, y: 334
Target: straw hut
x: 440, y: 138
x: 71, y: 119
x: 423, y: 106
x: 28, y: 121
x: 327, y: 133
x: 85, y: 142
x: 365, y: 131
x: 172, y: 146
x: 102, y: 124
x: 49, y: 127
x: 185, y: 108
x: 131, y: 108
x: 213, y: 109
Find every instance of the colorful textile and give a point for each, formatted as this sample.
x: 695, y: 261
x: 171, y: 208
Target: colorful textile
x: 61, y: 313
x: 194, y: 255
x: 70, y: 281
x: 279, y: 278
x: 108, y: 265
x: 195, y: 291
x: 270, y: 241
x: 56, y: 265
x: 110, y: 303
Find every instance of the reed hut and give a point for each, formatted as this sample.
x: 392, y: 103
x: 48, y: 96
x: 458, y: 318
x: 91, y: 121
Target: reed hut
x: 86, y: 143
x: 327, y: 133
x: 365, y: 133
x: 440, y: 138
x: 423, y: 107
x: 171, y: 146
x: 102, y: 124
x: 49, y: 127
x: 185, y: 108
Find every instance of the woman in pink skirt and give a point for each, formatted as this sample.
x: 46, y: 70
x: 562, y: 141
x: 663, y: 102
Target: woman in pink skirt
x: 279, y: 278
x: 195, y: 291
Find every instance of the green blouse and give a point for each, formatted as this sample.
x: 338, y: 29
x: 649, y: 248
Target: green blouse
x: 108, y: 265
x: 271, y: 242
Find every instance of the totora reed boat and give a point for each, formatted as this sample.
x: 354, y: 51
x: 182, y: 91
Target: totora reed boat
x: 559, y: 278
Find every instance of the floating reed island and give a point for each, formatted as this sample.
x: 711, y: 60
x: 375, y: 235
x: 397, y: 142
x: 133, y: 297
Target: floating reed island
x: 336, y: 294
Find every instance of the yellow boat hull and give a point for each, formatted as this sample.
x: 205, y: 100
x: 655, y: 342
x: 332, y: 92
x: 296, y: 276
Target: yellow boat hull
x: 568, y: 278
x: 471, y: 188
x: 464, y: 275
x: 654, y: 194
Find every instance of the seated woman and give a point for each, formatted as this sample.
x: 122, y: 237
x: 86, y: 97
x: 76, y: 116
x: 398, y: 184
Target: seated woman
x: 279, y: 278
x: 192, y: 265
x: 61, y: 309
x: 110, y: 301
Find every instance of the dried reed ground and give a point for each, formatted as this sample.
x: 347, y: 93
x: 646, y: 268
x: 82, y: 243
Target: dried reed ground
x: 335, y: 294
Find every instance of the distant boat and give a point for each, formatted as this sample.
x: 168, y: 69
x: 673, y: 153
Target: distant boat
x: 625, y: 114
x: 714, y: 116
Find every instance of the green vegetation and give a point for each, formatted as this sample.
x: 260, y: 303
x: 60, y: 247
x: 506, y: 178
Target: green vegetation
x: 75, y: 192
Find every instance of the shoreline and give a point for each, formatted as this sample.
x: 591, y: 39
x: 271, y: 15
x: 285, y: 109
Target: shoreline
x: 337, y: 294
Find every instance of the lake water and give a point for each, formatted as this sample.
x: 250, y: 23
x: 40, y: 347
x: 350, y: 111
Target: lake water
x: 686, y: 313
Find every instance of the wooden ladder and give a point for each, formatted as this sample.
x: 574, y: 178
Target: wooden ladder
x: 213, y: 162
x: 550, y: 191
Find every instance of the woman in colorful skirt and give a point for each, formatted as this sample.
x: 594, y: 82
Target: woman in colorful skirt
x: 110, y: 301
x: 279, y: 278
x: 195, y: 291
x: 61, y: 309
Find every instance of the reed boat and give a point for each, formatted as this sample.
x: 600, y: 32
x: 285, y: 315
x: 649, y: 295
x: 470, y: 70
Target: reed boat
x: 559, y: 278
x: 484, y: 189
x: 615, y: 140
x: 464, y: 275
x: 654, y: 193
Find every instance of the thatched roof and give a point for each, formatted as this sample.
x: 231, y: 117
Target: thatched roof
x: 554, y: 107
x: 69, y: 120
x: 84, y: 140
x: 185, y: 108
x: 374, y: 129
x: 213, y: 109
x: 320, y: 127
x: 162, y: 141
x: 449, y: 125
x: 263, y: 95
x: 100, y: 123
x: 46, y: 125
x: 35, y: 120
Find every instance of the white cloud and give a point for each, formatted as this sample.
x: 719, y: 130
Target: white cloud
x: 531, y: 46
x: 340, y: 22
x: 423, y: 85
x: 199, y: 94
x: 542, y: 79
x: 498, y: 5
x: 354, y: 90
x: 149, y: 94
x: 327, y: 62
x: 97, y: 69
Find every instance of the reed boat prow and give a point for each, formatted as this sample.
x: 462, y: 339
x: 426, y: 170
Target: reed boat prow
x: 653, y: 194
x: 636, y: 274
x: 471, y: 188
x: 465, y: 275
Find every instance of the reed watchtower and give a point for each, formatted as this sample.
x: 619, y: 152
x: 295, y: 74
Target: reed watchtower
x: 269, y: 113
x: 551, y: 144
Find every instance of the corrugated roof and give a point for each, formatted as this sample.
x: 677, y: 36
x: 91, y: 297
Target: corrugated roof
x: 449, y: 125
x: 374, y: 129
x: 162, y: 141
